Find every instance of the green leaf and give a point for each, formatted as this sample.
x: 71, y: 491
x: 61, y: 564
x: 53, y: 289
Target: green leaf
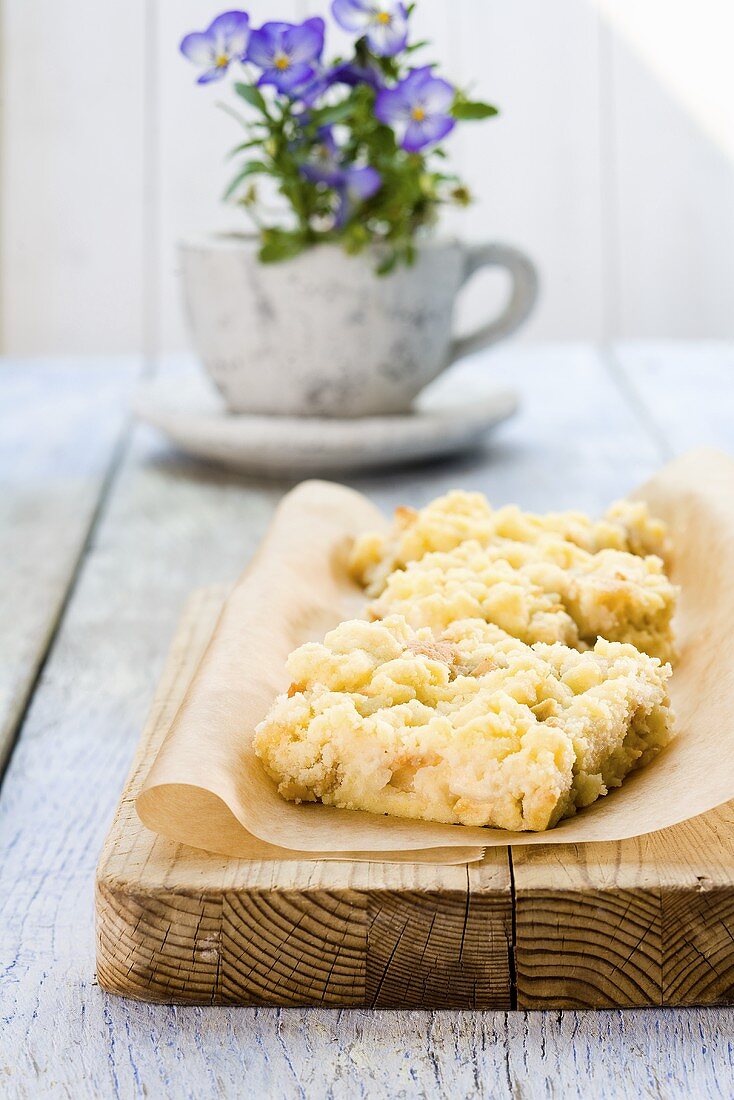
x: 386, y: 266
x: 469, y: 110
x: 356, y: 237
x: 252, y: 168
x: 252, y: 95
x: 234, y: 114
x: 245, y: 145
x: 279, y: 245
x: 328, y: 116
x: 417, y: 46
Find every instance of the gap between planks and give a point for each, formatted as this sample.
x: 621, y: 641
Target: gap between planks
x: 635, y: 402
x: 175, y: 924
x: 15, y: 731
x: 520, y: 1051
x: 629, y: 924
x: 12, y: 721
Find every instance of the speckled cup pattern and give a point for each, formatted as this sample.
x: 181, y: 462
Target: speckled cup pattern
x: 322, y: 335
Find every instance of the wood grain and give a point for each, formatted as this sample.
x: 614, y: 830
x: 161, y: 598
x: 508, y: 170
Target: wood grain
x: 59, y: 424
x: 643, y: 922
x: 683, y: 391
x: 169, y: 526
x: 178, y: 925
x: 649, y: 920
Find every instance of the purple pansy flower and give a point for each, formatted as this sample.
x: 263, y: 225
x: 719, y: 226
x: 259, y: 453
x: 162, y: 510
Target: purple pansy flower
x: 324, y: 164
x: 319, y: 84
x: 224, y: 41
x: 354, y: 74
x: 351, y: 74
x: 287, y: 53
x: 417, y: 109
x: 358, y: 185
x: 352, y: 184
x: 384, y: 22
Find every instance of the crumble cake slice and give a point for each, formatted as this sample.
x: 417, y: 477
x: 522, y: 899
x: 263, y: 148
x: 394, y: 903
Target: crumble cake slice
x: 546, y: 591
x: 468, y: 727
x: 460, y: 516
x: 469, y: 583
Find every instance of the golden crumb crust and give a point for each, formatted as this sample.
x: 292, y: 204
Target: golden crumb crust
x: 460, y: 516
x: 468, y: 725
x: 546, y: 591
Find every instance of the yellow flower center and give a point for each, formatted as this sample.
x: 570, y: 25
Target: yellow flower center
x: 418, y: 114
x: 222, y: 61
x: 281, y: 61
x: 384, y: 17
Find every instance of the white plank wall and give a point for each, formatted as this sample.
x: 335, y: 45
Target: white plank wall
x: 674, y: 224
x: 72, y: 175
x: 536, y: 169
x: 618, y: 180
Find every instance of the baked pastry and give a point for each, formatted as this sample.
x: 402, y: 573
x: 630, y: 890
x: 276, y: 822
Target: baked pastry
x: 470, y: 726
x: 545, y: 591
x: 459, y: 516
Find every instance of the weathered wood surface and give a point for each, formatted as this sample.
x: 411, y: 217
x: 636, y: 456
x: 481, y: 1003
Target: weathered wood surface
x: 640, y: 922
x: 686, y: 392
x: 648, y: 920
x: 644, y: 922
x: 59, y: 423
x: 177, y: 925
x: 170, y: 526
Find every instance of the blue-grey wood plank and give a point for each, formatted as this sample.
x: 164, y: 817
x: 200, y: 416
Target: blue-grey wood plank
x: 59, y: 426
x: 684, y: 391
x: 168, y: 526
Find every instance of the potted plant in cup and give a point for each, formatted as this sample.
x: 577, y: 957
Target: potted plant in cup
x: 343, y: 305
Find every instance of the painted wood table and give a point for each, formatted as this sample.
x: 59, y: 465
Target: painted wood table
x: 103, y: 534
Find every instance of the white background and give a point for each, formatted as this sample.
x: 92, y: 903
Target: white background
x: 612, y: 163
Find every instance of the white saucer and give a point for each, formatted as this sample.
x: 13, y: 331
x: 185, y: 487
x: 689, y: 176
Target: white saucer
x: 190, y: 412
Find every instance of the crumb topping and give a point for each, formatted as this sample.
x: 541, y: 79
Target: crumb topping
x: 510, y: 669
x: 471, y: 727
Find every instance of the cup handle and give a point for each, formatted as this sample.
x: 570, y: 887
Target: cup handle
x: 522, y: 299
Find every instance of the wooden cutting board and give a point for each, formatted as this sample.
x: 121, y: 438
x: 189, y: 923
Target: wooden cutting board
x: 641, y: 922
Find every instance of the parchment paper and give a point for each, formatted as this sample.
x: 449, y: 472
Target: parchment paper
x: 207, y: 788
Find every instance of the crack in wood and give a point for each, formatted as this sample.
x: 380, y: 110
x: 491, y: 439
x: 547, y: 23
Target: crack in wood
x: 512, y: 946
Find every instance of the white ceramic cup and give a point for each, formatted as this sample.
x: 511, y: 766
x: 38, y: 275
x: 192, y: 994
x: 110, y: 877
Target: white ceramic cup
x: 323, y: 335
